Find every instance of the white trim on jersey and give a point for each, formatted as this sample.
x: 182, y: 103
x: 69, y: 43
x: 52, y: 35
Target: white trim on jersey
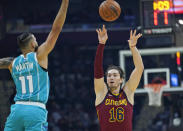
x: 47, y: 85
x: 31, y: 103
x: 26, y: 55
x: 20, y: 73
x: 37, y: 74
x: 22, y: 55
x: 13, y: 63
x: 32, y: 84
x: 35, y: 56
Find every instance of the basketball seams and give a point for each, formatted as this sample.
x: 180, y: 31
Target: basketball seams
x: 112, y: 16
x: 117, y: 7
x: 103, y: 13
x: 109, y: 10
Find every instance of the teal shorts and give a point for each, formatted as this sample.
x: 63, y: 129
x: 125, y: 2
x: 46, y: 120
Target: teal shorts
x: 26, y: 118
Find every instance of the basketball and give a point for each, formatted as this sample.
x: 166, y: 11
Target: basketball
x: 109, y: 10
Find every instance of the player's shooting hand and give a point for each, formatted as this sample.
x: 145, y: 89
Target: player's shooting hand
x: 102, y: 35
x: 133, y: 38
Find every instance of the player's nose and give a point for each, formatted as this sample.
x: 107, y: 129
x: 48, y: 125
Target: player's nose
x: 111, y: 78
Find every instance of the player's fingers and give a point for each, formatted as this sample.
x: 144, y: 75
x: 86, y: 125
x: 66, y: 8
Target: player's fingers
x: 130, y: 34
x: 103, y: 27
x: 134, y: 32
x: 139, y: 35
x: 105, y: 31
x: 100, y: 30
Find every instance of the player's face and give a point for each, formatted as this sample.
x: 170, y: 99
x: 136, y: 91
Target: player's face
x: 35, y: 44
x: 113, y: 78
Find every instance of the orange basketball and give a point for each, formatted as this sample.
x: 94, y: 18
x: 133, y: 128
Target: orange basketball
x: 109, y: 10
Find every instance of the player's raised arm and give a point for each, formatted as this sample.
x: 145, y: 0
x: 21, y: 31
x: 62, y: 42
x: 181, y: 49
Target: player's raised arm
x: 136, y: 74
x: 58, y: 23
x: 99, y: 84
x: 5, y: 63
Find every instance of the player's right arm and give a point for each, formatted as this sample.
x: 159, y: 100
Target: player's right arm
x: 99, y: 85
x: 6, y: 63
x: 58, y: 23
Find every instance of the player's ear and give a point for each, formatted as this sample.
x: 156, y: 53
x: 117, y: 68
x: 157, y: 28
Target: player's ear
x: 121, y: 80
x: 32, y: 44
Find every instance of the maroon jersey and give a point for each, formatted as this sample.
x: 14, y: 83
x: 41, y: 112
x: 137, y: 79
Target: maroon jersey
x: 115, y: 113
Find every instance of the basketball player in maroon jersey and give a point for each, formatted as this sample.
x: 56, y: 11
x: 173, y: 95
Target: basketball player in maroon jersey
x: 114, y: 103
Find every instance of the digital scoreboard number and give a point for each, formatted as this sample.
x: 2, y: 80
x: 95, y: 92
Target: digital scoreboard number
x: 159, y: 13
x: 158, y: 19
x: 161, y: 7
x: 156, y: 13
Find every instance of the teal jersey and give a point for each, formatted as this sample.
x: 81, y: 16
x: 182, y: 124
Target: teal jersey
x: 31, y: 80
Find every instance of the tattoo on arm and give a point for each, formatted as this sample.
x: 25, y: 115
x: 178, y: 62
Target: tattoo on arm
x: 5, y: 62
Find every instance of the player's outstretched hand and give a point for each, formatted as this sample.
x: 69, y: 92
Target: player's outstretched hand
x: 102, y: 35
x: 133, y: 38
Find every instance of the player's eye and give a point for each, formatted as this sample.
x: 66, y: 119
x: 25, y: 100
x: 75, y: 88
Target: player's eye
x: 115, y: 75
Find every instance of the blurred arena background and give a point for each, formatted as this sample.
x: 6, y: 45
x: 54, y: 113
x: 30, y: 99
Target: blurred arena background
x: 71, y: 102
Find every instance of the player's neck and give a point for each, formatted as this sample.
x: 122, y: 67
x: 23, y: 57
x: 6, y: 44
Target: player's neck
x: 25, y: 52
x: 115, y: 91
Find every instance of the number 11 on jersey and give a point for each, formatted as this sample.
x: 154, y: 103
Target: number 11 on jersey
x: 23, y: 83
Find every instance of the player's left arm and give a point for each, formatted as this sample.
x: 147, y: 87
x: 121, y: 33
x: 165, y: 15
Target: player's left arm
x: 6, y: 63
x: 57, y: 26
x: 136, y: 74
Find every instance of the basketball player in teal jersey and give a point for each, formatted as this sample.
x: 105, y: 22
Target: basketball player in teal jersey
x: 114, y: 103
x: 29, y: 72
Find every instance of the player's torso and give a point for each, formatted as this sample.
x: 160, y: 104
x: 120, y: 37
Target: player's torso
x: 31, y: 80
x: 115, y: 113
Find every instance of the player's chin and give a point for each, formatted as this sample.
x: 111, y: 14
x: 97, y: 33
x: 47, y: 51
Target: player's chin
x: 112, y: 86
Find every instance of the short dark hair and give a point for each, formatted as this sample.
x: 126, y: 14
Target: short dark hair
x: 121, y: 72
x: 24, y: 39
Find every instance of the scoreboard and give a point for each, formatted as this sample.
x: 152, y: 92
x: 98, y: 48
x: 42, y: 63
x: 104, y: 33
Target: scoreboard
x: 161, y: 7
x: 157, y: 18
x: 159, y: 13
x: 156, y: 13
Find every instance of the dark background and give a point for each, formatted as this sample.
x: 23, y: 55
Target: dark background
x: 71, y: 102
